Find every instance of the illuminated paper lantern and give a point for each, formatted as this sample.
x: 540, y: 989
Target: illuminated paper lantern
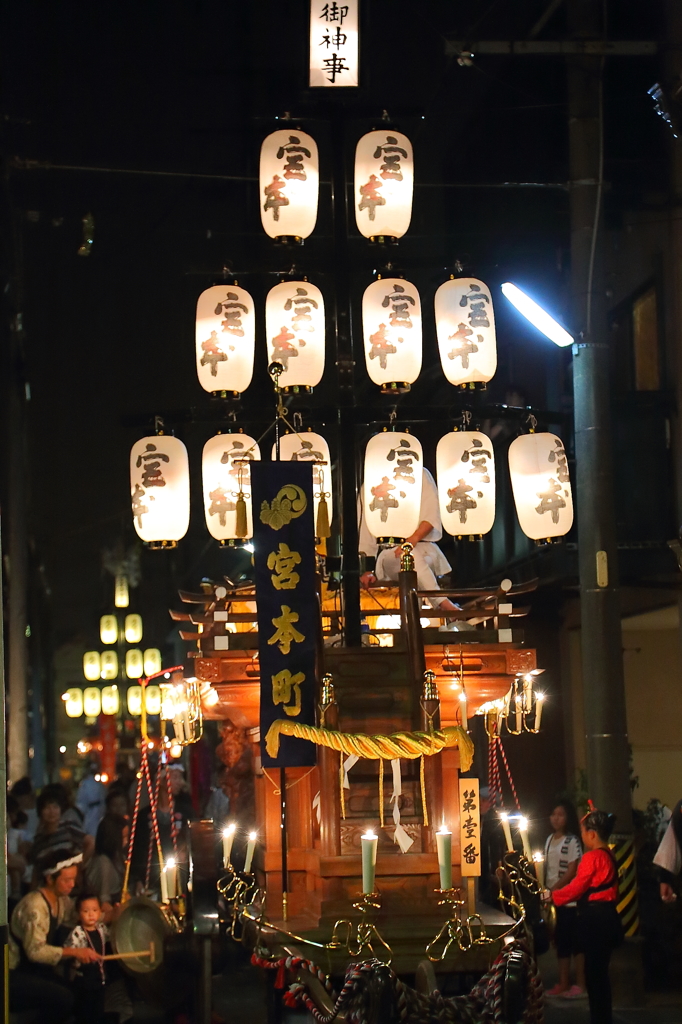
x: 108, y: 629
x: 92, y: 666
x: 73, y: 702
x: 92, y: 701
x: 465, y: 467
x: 226, y: 474
x: 541, y: 484
x: 289, y: 185
x: 465, y: 325
x: 310, y: 447
x: 110, y: 700
x: 134, y: 663
x: 384, y: 179
x: 295, y: 328
x: 108, y: 665
x: 152, y: 661
x: 392, y: 331
x: 167, y: 702
x: 153, y: 699
x: 159, y: 487
x: 134, y: 701
x: 392, y: 488
x: 133, y: 628
x: 121, y: 592
x: 225, y: 337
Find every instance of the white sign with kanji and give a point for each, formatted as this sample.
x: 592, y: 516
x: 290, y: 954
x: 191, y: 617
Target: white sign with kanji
x: 470, y: 827
x: 334, y: 44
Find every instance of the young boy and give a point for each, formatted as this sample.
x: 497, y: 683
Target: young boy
x: 89, y: 979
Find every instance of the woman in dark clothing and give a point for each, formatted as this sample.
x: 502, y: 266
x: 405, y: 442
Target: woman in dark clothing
x: 595, y: 888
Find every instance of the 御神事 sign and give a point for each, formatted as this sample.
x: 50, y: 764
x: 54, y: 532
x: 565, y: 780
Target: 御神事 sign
x: 334, y: 44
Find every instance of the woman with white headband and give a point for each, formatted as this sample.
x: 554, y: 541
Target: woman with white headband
x: 34, y: 949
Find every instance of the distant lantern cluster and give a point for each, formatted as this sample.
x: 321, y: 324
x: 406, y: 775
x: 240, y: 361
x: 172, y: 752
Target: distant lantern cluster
x: 392, y: 336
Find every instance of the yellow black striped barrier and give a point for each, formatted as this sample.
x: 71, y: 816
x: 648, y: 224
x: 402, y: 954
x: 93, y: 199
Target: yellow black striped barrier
x: 623, y: 849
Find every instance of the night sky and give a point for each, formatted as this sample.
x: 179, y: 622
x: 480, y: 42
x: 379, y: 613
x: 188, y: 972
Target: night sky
x: 194, y: 87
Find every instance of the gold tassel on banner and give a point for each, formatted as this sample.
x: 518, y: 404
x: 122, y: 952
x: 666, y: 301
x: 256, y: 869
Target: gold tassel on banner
x: 242, y: 527
x: 381, y: 792
x: 322, y: 530
x: 423, y: 787
x: 343, y: 796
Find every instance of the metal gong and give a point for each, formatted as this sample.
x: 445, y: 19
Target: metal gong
x: 140, y: 926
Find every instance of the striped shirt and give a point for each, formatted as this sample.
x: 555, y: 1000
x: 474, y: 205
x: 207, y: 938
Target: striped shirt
x: 558, y: 855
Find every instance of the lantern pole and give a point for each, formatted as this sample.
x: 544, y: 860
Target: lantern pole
x: 601, y: 640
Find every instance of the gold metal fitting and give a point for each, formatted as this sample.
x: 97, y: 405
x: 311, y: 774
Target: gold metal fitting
x: 430, y: 691
x: 406, y: 561
x: 327, y: 696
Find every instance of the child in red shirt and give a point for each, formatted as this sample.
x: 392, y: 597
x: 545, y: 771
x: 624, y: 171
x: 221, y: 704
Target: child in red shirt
x: 595, y: 888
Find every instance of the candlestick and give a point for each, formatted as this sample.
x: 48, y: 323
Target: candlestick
x: 504, y: 818
x: 250, y: 849
x: 539, y: 697
x: 463, y: 707
x: 539, y: 862
x: 523, y: 829
x: 369, y: 859
x: 228, y: 839
x: 444, y: 847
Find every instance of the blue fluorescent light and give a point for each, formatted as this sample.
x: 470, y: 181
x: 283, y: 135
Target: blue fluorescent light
x: 537, y: 316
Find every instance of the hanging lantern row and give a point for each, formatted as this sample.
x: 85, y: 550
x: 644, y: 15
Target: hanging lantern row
x: 93, y: 701
x: 105, y: 665
x: 289, y: 182
x: 393, y: 469
x: 392, y: 332
x: 131, y: 632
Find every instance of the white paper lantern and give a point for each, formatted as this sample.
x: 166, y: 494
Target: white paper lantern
x: 152, y: 661
x: 134, y: 701
x: 153, y: 699
x: 92, y: 701
x: 92, y: 666
x: 159, y: 487
x: 384, y: 180
x: 465, y: 467
x: 133, y: 628
x: 289, y: 184
x: 541, y: 485
x: 110, y: 700
x: 134, y: 663
x: 295, y: 328
x: 73, y: 702
x: 392, y: 331
x: 225, y: 335
x: 121, y: 593
x: 310, y: 447
x: 108, y: 629
x: 226, y: 471
x: 392, y: 488
x: 465, y: 324
x: 108, y: 665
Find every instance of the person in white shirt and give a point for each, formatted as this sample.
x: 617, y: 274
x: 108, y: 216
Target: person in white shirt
x: 429, y: 560
x: 563, y: 851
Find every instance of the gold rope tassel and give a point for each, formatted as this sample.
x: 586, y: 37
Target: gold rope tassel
x: 322, y: 529
x: 398, y: 744
x: 343, y: 795
x: 241, y: 527
x: 423, y: 786
x: 381, y: 791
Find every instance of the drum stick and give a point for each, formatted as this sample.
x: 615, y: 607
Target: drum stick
x: 125, y: 956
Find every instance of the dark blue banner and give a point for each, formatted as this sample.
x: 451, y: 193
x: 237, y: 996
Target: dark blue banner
x: 284, y: 558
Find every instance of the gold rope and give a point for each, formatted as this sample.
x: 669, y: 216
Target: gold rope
x: 423, y: 788
x: 381, y: 791
x: 398, y: 744
x: 343, y: 795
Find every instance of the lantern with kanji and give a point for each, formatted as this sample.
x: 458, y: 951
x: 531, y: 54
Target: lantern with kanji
x: 225, y: 333
x: 289, y: 185
x: 384, y: 179
x: 465, y: 467
x: 159, y: 488
x: 392, y: 332
x: 465, y: 325
x: 392, y: 487
x: 226, y: 473
x: 310, y: 447
x: 541, y: 484
x: 295, y: 328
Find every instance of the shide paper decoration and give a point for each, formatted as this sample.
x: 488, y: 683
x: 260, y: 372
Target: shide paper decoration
x: 289, y: 185
x: 465, y: 467
x: 295, y: 328
x: 541, y: 484
x: 392, y: 331
x: 225, y: 333
x: 226, y: 473
x: 384, y: 181
x: 159, y: 487
x: 465, y: 325
x: 392, y: 488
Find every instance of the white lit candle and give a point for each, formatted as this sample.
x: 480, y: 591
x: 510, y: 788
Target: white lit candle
x: 463, y: 707
x: 504, y: 818
x: 250, y: 850
x: 539, y: 697
x: 539, y: 862
x: 164, y: 885
x: 228, y: 839
x: 369, y: 859
x: 523, y: 829
x: 171, y: 872
x: 519, y: 711
x: 527, y: 692
x: 444, y: 847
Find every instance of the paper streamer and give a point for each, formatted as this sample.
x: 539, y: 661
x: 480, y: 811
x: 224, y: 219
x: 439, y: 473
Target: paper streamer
x: 316, y: 807
x: 347, y: 765
x: 400, y: 836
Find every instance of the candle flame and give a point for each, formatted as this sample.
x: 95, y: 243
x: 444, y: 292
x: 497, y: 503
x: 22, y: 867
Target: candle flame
x: 253, y: 836
x: 443, y: 831
x: 170, y: 863
x: 462, y: 695
x: 369, y: 834
x: 230, y: 830
x: 522, y: 824
x: 504, y: 816
x: 538, y: 857
x: 539, y: 696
